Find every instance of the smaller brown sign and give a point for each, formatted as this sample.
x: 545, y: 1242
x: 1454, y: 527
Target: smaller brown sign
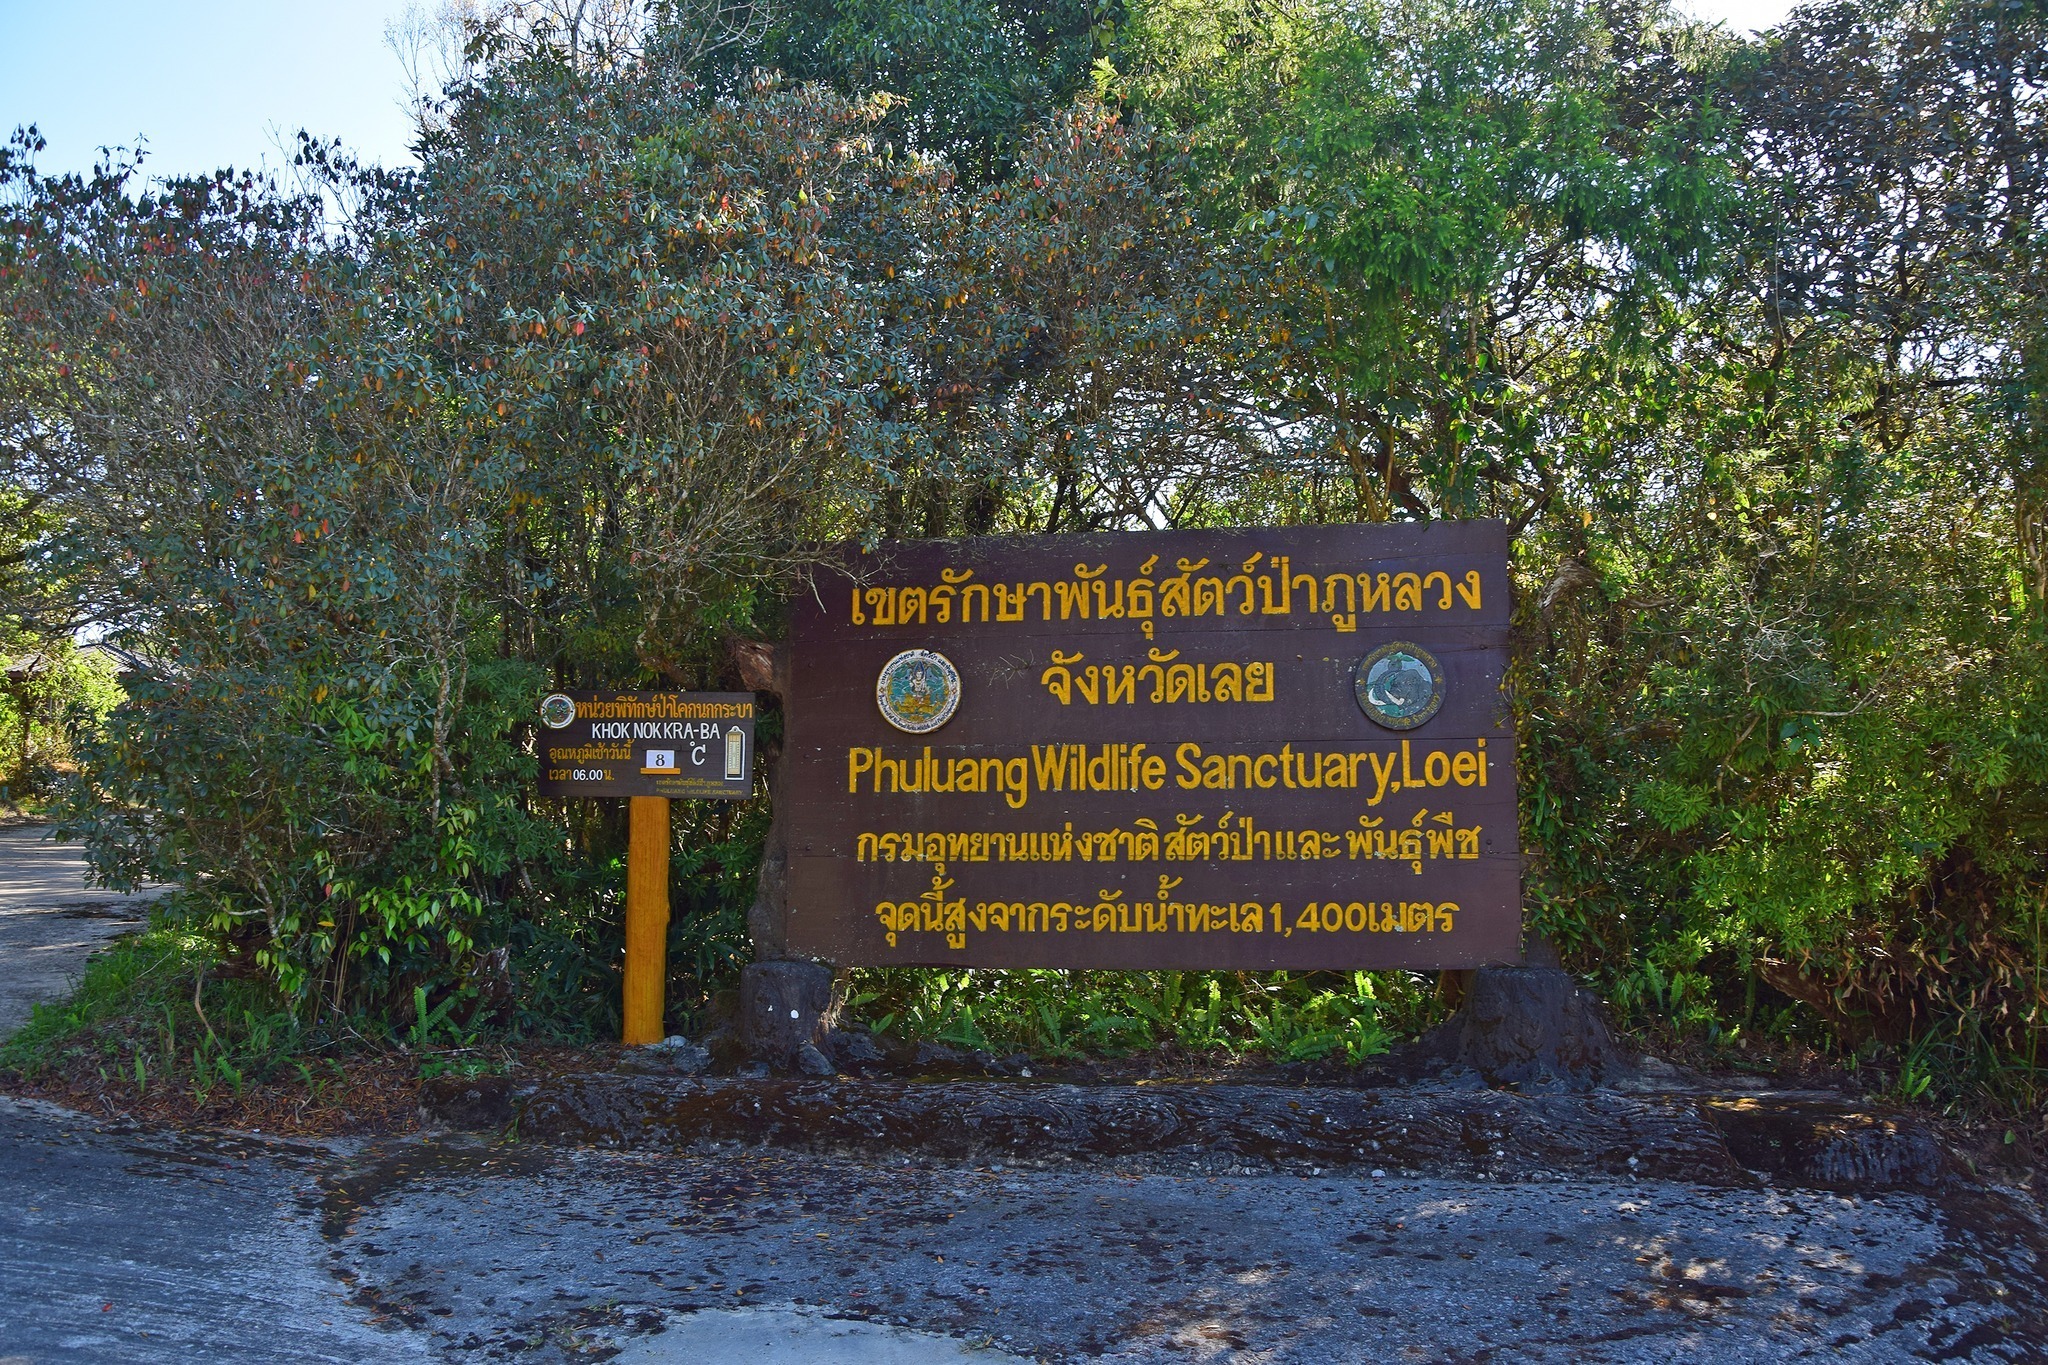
x: 689, y: 745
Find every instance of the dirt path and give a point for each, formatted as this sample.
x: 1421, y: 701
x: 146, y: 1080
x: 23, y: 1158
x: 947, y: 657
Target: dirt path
x: 50, y: 920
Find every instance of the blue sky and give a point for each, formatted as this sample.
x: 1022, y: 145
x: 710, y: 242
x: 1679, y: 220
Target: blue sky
x: 205, y: 83
x: 223, y: 83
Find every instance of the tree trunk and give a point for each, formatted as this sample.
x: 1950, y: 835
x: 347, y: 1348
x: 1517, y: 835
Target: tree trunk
x: 1529, y: 1026
x: 764, y: 668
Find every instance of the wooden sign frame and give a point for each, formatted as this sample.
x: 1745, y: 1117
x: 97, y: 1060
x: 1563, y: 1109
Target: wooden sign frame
x: 1254, y: 749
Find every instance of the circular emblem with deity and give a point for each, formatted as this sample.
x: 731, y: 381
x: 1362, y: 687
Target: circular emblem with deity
x: 918, y: 691
x: 557, y: 710
x: 1399, y: 685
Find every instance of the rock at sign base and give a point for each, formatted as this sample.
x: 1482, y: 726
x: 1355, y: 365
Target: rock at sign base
x: 784, y: 1006
x: 1530, y: 1026
x: 672, y: 1056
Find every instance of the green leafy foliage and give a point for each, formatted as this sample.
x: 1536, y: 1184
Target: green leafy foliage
x: 567, y: 407
x: 974, y: 77
x: 147, y: 1012
x: 54, y: 697
x: 1280, y: 1016
x: 1742, y: 338
x: 1791, y: 727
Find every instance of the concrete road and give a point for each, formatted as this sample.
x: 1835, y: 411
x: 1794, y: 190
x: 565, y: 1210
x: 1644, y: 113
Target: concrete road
x: 124, y: 1245
x: 50, y: 920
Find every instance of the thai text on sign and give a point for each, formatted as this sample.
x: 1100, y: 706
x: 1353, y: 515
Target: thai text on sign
x: 692, y: 745
x: 1232, y: 749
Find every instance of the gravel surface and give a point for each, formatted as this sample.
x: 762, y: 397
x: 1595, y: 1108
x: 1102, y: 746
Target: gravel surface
x: 119, y: 1244
x: 50, y: 920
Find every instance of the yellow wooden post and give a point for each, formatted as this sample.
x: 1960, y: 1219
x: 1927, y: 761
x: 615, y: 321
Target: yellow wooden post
x: 646, y: 919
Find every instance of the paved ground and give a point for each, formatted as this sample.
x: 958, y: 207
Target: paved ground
x: 50, y: 921
x: 136, y: 1246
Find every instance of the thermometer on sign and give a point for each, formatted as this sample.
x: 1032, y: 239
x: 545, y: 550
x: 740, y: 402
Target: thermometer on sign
x: 735, y: 753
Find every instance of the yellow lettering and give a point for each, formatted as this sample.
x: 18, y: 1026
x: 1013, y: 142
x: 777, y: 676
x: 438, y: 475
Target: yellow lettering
x: 1382, y: 774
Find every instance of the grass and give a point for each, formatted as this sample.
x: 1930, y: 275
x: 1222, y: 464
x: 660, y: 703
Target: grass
x: 157, y: 1029
x: 154, y: 1029
x: 16, y: 809
x: 1280, y: 1016
x: 148, y: 1016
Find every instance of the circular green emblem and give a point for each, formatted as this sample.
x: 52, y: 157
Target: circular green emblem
x: 1399, y: 685
x: 556, y: 710
x: 918, y: 691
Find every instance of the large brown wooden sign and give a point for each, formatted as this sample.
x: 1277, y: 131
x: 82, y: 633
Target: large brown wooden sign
x: 1226, y: 749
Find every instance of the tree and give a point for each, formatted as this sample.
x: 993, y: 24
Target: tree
x: 250, y: 487
x: 571, y: 404
x: 973, y: 79
x: 1741, y: 338
x: 1495, y: 209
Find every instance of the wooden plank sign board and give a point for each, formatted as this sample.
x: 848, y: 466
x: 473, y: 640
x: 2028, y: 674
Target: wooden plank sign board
x: 691, y: 745
x: 1259, y: 748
